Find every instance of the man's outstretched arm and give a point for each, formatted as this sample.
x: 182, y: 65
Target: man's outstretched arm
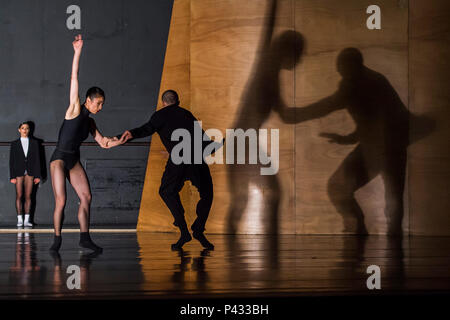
x: 143, y: 131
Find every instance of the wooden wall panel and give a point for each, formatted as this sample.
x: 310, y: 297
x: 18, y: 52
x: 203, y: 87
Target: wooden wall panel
x: 429, y: 157
x: 329, y: 27
x: 153, y: 214
x: 231, y: 76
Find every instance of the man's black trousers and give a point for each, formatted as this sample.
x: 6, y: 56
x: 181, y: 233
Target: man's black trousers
x: 172, y: 182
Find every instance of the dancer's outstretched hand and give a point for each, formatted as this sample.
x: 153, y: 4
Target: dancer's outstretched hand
x: 165, y: 154
x: 126, y: 136
x: 112, y: 142
x: 103, y: 142
x: 78, y: 43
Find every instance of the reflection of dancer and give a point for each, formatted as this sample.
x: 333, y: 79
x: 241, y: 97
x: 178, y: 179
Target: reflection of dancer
x: 191, y: 265
x: 59, y: 285
x: 25, y: 275
x: 66, y: 158
x: 262, y: 94
x: 25, y: 169
x: 382, y: 125
x: 165, y: 121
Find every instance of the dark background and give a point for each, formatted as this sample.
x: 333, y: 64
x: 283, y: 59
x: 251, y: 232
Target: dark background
x: 123, y: 53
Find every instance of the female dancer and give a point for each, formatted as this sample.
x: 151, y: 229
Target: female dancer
x: 25, y: 169
x: 65, y: 160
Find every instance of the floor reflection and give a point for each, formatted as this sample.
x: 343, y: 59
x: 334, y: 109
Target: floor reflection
x: 142, y: 265
x: 64, y: 278
x: 25, y: 274
x: 254, y: 262
x: 192, y: 268
x: 35, y: 272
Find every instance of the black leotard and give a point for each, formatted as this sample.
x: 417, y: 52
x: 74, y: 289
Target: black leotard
x: 72, y: 133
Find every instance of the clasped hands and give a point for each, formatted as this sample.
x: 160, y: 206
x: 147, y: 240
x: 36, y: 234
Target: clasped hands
x: 109, y: 142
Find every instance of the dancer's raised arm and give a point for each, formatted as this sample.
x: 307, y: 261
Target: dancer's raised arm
x: 74, y: 106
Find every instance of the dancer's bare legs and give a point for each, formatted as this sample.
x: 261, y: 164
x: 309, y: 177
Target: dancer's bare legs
x: 28, y: 184
x: 58, y: 176
x: 80, y: 182
x: 19, y: 194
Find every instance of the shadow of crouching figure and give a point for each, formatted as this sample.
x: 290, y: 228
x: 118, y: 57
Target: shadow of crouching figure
x: 382, y: 136
x: 260, y: 97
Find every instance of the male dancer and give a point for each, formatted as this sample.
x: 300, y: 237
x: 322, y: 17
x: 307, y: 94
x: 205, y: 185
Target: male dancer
x: 65, y: 161
x: 164, y: 122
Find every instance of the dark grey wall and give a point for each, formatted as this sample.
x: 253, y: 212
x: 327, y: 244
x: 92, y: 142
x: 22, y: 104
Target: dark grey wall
x: 123, y: 53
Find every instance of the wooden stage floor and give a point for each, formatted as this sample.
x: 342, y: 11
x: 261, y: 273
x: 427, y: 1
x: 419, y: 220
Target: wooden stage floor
x: 141, y: 265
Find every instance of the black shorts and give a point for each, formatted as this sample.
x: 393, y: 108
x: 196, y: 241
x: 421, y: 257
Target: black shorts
x: 69, y: 159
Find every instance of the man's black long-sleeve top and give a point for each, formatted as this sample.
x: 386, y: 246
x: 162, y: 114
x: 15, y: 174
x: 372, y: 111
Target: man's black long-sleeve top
x: 168, y: 119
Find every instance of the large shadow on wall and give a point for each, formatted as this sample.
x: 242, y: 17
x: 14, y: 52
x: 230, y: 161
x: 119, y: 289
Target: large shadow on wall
x: 381, y: 137
x: 261, y: 95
